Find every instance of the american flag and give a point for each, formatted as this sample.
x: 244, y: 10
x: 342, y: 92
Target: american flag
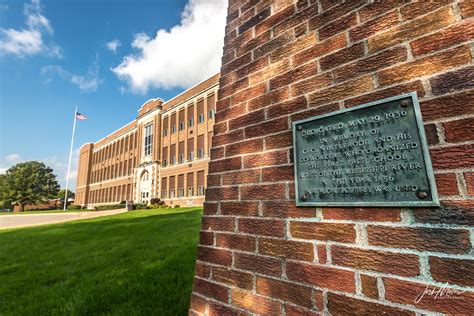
x: 80, y: 117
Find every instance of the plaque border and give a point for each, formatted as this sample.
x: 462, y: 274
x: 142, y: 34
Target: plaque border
x: 424, y: 146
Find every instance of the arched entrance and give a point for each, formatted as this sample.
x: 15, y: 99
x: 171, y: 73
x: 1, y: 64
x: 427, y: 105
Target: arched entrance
x: 145, y: 186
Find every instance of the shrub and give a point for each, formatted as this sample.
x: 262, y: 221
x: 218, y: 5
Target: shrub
x: 74, y: 207
x: 177, y: 206
x: 156, y: 201
x: 140, y: 206
x: 109, y: 207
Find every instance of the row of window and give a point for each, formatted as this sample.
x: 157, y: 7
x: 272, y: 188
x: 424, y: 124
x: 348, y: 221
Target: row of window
x: 113, y: 194
x: 120, y: 169
x: 120, y: 146
x: 182, y: 126
x: 190, y: 193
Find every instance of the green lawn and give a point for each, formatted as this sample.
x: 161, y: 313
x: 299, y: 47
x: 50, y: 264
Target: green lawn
x: 136, y: 263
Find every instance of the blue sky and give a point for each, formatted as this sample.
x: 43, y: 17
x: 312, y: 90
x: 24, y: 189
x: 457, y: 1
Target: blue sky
x: 105, y: 56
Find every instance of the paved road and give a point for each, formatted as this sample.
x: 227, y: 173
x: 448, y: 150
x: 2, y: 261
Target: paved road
x: 26, y: 220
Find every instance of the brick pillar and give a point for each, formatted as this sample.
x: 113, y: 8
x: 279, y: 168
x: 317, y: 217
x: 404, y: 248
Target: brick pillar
x: 289, y: 60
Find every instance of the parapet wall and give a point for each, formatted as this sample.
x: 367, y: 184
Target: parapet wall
x: 290, y: 60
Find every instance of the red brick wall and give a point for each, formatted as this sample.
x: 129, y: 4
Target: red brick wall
x: 286, y: 60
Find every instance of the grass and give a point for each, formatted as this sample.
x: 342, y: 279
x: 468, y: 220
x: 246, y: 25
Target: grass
x: 46, y: 212
x: 136, y: 263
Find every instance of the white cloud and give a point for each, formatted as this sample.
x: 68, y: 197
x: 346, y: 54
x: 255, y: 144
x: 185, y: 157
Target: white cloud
x: 30, y: 40
x: 113, y: 45
x: 186, y: 54
x: 87, y: 83
x: 13, y: 158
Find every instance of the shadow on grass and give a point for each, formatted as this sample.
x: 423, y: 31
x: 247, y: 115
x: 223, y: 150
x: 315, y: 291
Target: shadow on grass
x: 133, y: 263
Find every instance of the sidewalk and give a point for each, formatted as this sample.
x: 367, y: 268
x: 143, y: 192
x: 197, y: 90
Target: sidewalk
x: 27, y: 220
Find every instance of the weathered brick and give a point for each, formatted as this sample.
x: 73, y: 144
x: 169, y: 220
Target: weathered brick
x: 311, y: 84
x: 467, y: 9
x: 213, y: 180
x: 328, y: 16
x: 469, y: 178
x: 446, y: 184
x: 296, y: 46
x: 286, y: 249
x: 283, y: 209
x: 431, y: 132
x: 281, y: 140
x: 342, y: 305
x: 217, y: 223
x: 280, y: 173
x: 323, y: 231
x: 220, y: 128
x: 245, y: 147
x: 414, y: 9
x: 247, y: 119
x: 330, y: 45
x: 237, y: 63
x: 388, y: 92
x: 210, y: 208
x: 249, y: 93
x: 426, y: 66
x: 452, y: 157
x: 255, y: 303
x: 424, y: 296
x: 421, y: 239
x: 315, y: 111
x: 369, y: 286
x: 448, y: 106
x: 285, y: 291
x: 295, y: 19
x: 322, y: 253
x: 287, y: 107
x: 216, y: 256
x: 234, y: 241
x: 275, y: 19
x: 272, y: 158
x: 453, y: 271
x: 263, y: 192
x: 341, y: 91
x: 202, y: 270
x: 239, y: 208
x: 410, y: 30
x: 259, y: 264
x: 321, y: 276
x: 450, y: 212
x: 198, y: 304
x: 262, y: 15
x: 267, y: 127
x: 446, y: 38
x: 206, y: 238
x: 262, y: 227
x: 218, y: 194
x: 241, y: 177
x: 291, y: 310
x: 271, y: 71
x: 372, y: 63
x: 227, y: 164
x: 216, y: 291
x: 275, y: 43
x: 381, y: 261
x: 232, y: 277
x: 453, y: 81
x: 374, y: 26
x: 216, y: 309
x: 227, y: 138
x: 302, y: 72
x: 253, y: 43
x: 233, y: 88
x: 363, y: 214
x: 377, y: 8
x: 269, y: 98
x: 338, y: 26
x: 342, y: 56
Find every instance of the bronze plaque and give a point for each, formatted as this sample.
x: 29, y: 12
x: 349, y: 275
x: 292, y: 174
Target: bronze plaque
x: 374, y: 154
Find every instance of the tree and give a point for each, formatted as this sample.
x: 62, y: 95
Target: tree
x: 29, y: 183
x: 70, y: 194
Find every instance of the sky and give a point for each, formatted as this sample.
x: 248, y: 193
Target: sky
x: 107, y: 57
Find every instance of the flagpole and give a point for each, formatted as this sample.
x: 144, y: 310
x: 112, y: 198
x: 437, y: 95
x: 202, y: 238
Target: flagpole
x: 70, y: 158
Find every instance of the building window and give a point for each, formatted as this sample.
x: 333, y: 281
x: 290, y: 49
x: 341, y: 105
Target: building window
x: 200, y: 153
x: 148, y: 139
x: 201, y: 191
x: 180, y: 192
x: 173, y: 160
x: 171, y: 193
x: 165, y: 163
x: 191, y: 156
x: 163, y: 194
x: 173, y: 129
x: 191, y: 122
x: 181, y: 126
x: 190, y: 191
x: 165, y: 132
x: 211, y: 114
x: 181, y: 158
x: 201, y: 118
